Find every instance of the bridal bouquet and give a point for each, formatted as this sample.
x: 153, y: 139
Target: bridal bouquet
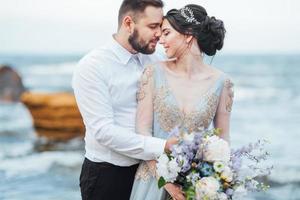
x: 203, y: 164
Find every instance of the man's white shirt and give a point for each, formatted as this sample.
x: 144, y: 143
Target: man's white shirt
x: 105, y: 83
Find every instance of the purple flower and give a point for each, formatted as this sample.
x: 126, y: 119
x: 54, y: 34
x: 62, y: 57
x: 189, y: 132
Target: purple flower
x: 229, y: 192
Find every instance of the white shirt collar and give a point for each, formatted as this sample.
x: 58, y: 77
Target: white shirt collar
x: 123, y: 54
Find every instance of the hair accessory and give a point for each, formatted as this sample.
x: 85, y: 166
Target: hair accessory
x: 188, y: 14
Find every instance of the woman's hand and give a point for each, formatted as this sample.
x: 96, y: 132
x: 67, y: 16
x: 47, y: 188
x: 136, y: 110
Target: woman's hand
x: 175, y: 191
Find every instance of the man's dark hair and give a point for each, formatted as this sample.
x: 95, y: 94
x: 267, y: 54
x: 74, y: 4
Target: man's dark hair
x: 136, y: 7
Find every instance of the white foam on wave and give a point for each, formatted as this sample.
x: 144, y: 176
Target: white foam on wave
x: 39, y: 163
x: 285, y: 175
x: 65, y: 68
x: 51, y: 77
x: 12, y: 150
x: 14, y: 116
x: 266, y: 93
x: 282, y: 145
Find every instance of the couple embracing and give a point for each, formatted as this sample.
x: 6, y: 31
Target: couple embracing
x: 131, y: 97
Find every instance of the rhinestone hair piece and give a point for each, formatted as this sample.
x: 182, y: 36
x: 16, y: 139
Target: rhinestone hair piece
x: 188, y: 14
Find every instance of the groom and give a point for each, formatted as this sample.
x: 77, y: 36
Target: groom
x: 105, y: 84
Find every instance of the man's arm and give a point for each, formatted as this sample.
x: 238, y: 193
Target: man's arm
x: 94, y: 101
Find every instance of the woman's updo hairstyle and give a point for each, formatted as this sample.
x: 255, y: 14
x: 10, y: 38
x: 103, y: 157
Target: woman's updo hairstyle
x: 193, y: 20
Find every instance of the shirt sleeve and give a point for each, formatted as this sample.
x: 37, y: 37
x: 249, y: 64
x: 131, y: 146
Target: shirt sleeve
x: 222, y: 118
x: 92, y: 94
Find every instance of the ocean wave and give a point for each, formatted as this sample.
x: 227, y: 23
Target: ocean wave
x: 66, y: 68
x: 39, y: 163
x: 59, y: 83
x: 265, y: 93
x: 48, y: 78
x: 16, y: 149
x: 14, y: 117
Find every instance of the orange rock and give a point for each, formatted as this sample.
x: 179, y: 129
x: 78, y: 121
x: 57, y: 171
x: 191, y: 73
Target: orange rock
x: 62, y: 123
x: 48, y: 99
x: 55, y: 115
x: 58, y: 135
x: 43, y: 112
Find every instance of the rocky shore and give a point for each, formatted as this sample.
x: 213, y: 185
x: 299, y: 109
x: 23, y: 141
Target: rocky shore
x: 55, y: 115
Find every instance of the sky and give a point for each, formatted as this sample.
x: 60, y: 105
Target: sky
x: 77, y: 26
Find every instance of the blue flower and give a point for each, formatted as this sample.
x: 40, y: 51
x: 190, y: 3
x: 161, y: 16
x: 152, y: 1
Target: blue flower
x: 205, y: 169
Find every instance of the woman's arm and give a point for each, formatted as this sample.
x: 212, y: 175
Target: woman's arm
x: 144, y: 122
x: 144, y: 113
x: 222, y: 118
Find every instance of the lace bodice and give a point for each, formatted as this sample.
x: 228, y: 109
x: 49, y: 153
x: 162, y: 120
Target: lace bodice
x: 170, y: 116
x: 167, y: 112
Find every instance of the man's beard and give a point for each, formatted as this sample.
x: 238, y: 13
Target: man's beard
x: 139, y: 46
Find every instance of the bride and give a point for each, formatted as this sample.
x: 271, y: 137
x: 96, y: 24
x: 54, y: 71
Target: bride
x: 183, y: 92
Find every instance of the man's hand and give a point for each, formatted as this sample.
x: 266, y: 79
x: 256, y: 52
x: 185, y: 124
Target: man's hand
x: 170, y: 142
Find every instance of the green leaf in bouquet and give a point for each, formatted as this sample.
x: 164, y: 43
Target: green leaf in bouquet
x: 169, y: 156
x: 217, y: 131
x: 161, y: 182
x: 212, y: 132
x: 190, y: 193
x: 205, y: 197
x: 187, y: 185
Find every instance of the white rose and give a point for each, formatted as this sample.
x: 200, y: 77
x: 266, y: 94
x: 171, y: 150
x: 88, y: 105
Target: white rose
x: 163, y: 159
x: 162, y: 170
x: 227, y: 174
x: 162, y: 165
x: 174, y: 169
x: 216, y: 149
x: 207, y: 187
x: 167, y: 169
